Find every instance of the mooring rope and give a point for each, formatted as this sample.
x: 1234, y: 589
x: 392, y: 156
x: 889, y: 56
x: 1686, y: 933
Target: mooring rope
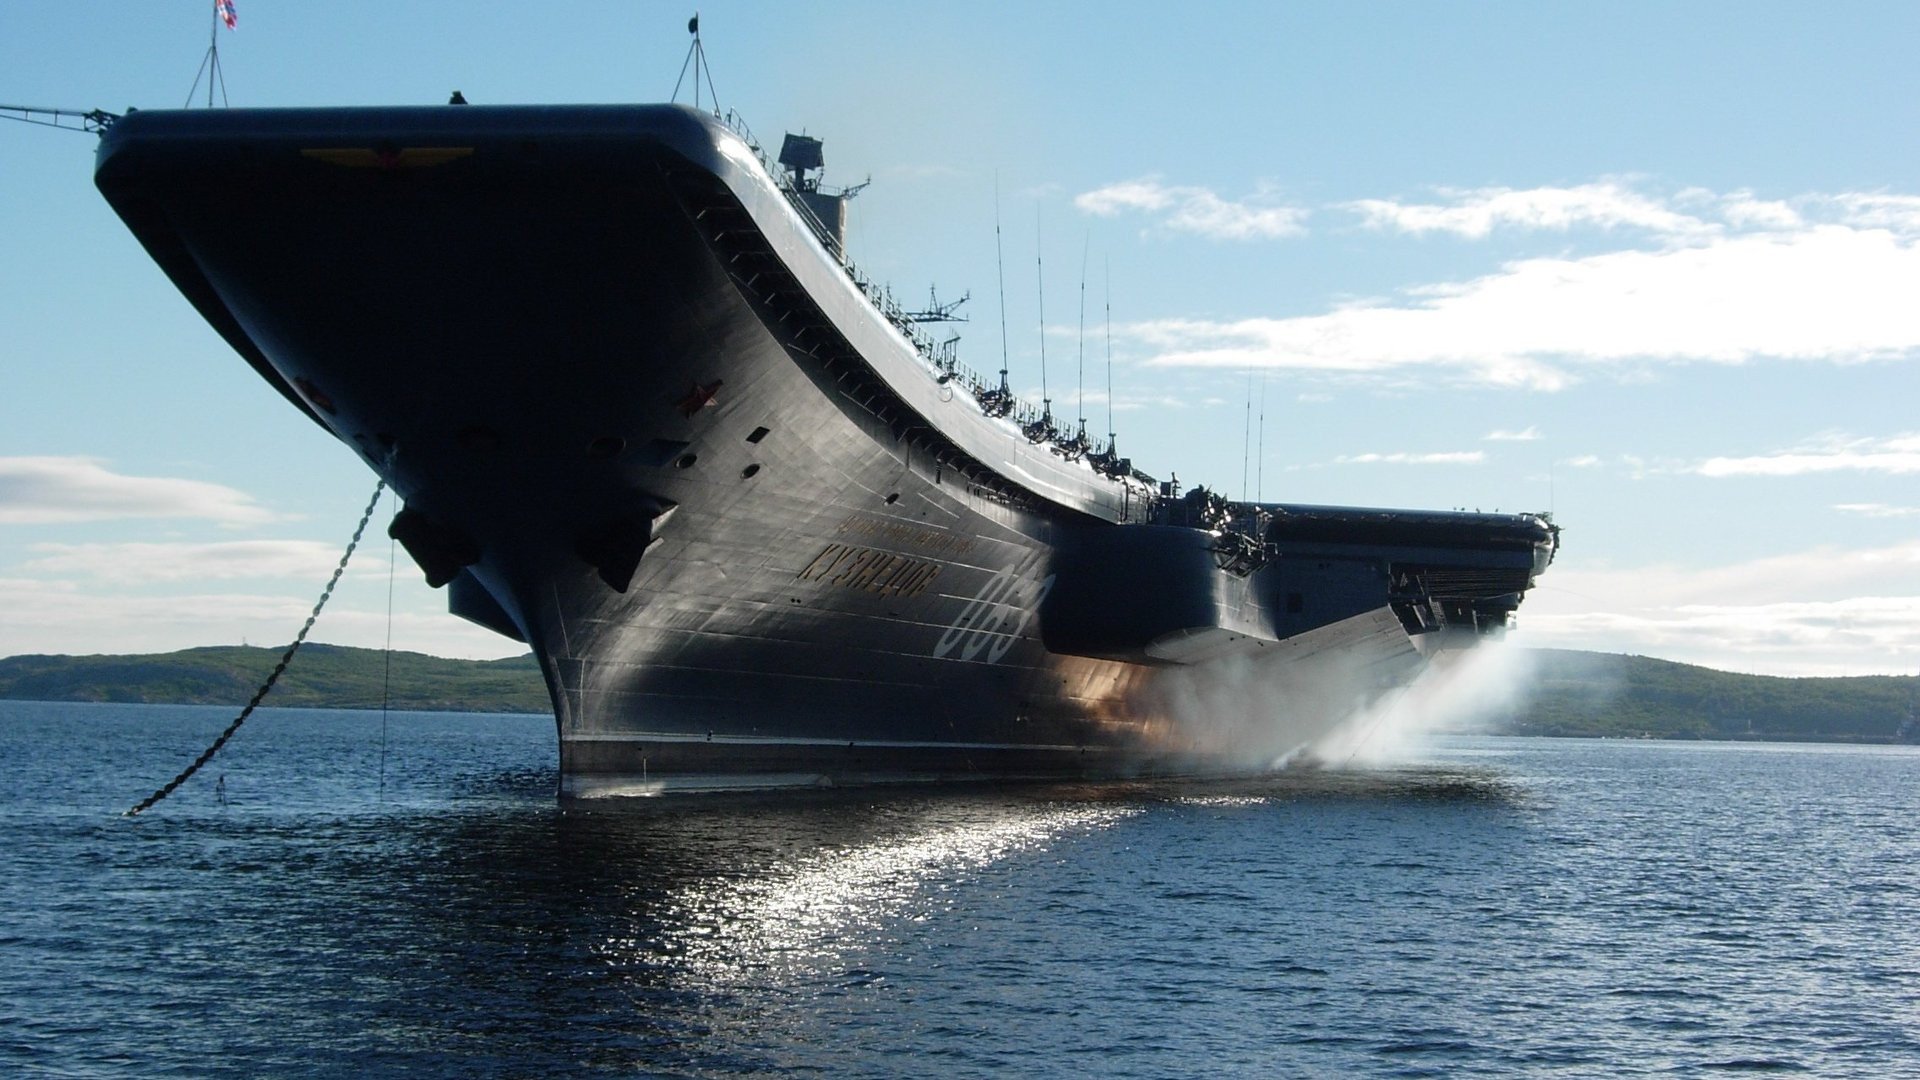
x: 285, y: 658
x: 386, y: 675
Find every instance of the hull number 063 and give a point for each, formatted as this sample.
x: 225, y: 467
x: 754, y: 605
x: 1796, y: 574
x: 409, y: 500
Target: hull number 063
x: 994, y: 619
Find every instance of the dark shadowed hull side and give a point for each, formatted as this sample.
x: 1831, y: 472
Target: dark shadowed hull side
x: 644, y: 421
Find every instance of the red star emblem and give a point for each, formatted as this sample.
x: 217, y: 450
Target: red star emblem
x: 700, y: 397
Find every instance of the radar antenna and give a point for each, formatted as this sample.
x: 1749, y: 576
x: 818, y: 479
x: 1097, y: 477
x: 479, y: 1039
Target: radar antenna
x: 937, y: 312
x: 801, y: 157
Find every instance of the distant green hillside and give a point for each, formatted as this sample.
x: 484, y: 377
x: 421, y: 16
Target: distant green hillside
x: 1573, y: 693
x: 1606, y: 694
x: 321, y: 676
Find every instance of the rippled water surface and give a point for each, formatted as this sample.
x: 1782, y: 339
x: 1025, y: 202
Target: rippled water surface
x: 1504, y: 907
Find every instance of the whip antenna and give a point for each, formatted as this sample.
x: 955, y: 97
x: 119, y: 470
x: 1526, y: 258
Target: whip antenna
x: 1000, y: 269
x: 1106, y: 268
x: 1246, y: 443
x: 1260, y: 470
x: 1080, y: 385
x: 1040, y: 276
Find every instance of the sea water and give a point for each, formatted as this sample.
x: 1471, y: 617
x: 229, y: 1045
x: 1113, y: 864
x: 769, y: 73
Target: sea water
x: 341, y: 893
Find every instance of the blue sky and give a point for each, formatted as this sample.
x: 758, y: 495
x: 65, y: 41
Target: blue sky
x: 1652, y: 267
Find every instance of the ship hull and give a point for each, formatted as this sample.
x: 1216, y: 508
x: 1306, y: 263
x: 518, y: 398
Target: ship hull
x: 645, y: 421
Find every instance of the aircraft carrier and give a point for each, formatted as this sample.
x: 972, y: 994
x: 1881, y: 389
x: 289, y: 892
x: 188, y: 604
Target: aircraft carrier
x: 758, y: 528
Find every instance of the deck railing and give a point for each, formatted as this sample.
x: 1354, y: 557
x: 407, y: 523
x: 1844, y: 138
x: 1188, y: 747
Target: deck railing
x: 939, y: 356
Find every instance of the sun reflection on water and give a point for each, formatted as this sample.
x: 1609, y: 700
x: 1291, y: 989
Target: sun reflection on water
x: 1228, y: 801
x: 807, y: 913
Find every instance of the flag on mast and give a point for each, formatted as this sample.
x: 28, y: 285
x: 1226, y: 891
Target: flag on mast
x: 224, y: 8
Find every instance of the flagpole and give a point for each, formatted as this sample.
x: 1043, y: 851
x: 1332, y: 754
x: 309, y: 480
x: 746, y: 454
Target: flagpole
x: 210, y: 60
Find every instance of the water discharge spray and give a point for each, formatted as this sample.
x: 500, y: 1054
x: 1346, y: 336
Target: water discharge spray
x: 1459, y: 691
x: 1333, y: 712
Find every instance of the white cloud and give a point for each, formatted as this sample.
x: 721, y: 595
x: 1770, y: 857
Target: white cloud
x: 1194, y: 210
x: 1743, y: 210
x: 1527, y: 434
x: 1125, y: 195
x: 1816, y: 574
x: 1470, y: 457
x: 1476, y: 213
x: 1877, y: 510
x: 1825, y: 611
x: 1829, y: 292
x: 1697, y: 277
x: 302, y: 560
x: 1879, y: 210
x: 1859, y: 635
x: 1584, y: 461
x: 60, y: 490
x: 1898, y: 455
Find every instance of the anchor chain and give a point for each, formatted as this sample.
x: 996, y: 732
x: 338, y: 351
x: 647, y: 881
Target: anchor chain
x: 285, y: 658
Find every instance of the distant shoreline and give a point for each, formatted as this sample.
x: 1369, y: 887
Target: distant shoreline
x: 322, y: 676
x: 1570, y: 694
